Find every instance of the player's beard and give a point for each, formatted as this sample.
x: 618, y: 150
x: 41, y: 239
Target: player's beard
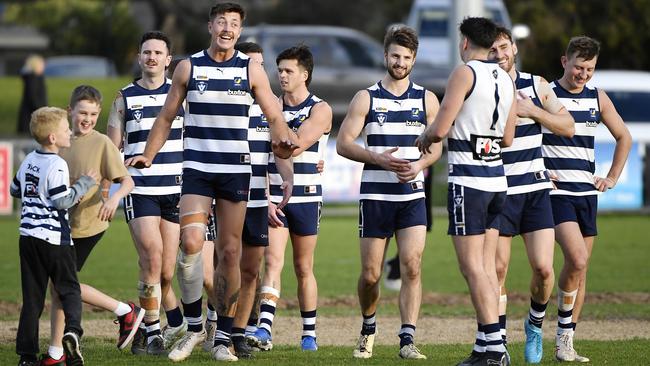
x: 396, y: 76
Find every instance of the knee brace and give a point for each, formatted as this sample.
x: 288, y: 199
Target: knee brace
x: 150, y: 297
x: 190, y: 276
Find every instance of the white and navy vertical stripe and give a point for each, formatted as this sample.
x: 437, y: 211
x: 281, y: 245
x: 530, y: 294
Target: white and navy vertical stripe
x: 474, y: 138
x: 572, y: 159
x: 41, y: 179
x: 142, y: 106
x: 306, y: 178
x: 523, y: 162
x: 259, y: 141
x: 216, y: 123
x: 393, y: 121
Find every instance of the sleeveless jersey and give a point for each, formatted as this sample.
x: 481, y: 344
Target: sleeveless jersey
x: 306, y: 178
x: 474, y: 151
x: 522, y: 161
x: 43, y: 178
x: 259, y: 141
x: 216, y: 123
x: 572, y: 159
x: 393, y: 121
x: 142, y: 106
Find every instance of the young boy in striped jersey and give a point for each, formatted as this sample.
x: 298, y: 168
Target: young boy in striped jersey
x: 575, y: 200
x: 46, y: 249
x: 527, y: 211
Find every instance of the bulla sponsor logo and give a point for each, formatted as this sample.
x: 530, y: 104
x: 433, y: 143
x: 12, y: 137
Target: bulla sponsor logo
x: 237, y: 92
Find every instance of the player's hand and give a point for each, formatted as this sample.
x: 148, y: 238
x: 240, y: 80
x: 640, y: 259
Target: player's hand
x: 287, y: 191
x: 603, y: 184
x: 423, y: 143
x: 525, y: 106
x: 138, y: 162
x: 320, y: 166
x: 553, y: 178
x: 107, y: 211
x: 387, y: 161
x: 283, y: 149
x: 409, y: 174
x: 274, y: 212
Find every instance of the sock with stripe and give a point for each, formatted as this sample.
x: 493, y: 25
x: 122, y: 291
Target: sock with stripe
x: 493, y: 341
x: 406, y: 335
x: 174, y: 317
x: 268, y: 302
x: 566, y: 300
x: 251, y: 326
x: 308, y: 323
x: 224, y: 329
x: 192, y: 313
x: 153, y: 330
x: 369, y: 324
x: 212, y: 314
x: 536, y: 313
x: 479, y: 343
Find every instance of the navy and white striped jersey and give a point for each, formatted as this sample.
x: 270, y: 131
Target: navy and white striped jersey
x: 393, y: 121
x: 522, y: 161
x: 572, y: 159
x: 41, y: 179
x: 474, y: 138
x: 142, y: 106
x: 216, y: 123
x: 259, y: 141
x: 306, y: 178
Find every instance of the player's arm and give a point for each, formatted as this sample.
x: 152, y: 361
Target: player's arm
x: 553, y: 115
x: 163, y: 124
x: 511, y: 122
x: 614, y: 123
x: 426, y: 159
x: 318, y: 123
x: 14, y: 188
x: 115, y: 126
x: 109, y: 206
x: 459, y: 84
x: 281, y: 141
x: 285, y: 168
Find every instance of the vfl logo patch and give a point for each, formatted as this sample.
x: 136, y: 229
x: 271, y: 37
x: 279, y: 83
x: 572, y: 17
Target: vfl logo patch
x: 486, y: 148
x: 179, y: 180
x: 311, y: 190
x: 381, y: 118
x: 137, y: 115
x: 458, y: 200
x: 202, y: 86
x: 245, y: 158
x: 416, y: 186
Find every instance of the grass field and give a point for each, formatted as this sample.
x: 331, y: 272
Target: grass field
x: 619, y: 272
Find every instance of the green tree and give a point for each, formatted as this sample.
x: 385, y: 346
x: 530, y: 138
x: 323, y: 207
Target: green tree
x: 89, y: 27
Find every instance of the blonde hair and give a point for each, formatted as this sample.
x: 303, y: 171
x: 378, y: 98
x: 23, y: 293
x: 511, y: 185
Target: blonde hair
x: 45, y: 121
x: 32, y: 63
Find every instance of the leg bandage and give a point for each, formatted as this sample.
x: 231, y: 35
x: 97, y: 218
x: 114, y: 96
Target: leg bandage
x: 268, y: 302
x: 198, y: 219
x: 150, y: 297
x: 190, y: 276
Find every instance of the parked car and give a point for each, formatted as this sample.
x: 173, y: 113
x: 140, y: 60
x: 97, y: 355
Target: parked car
x: 430, y: 18
x: 345, y: 61
x: 79, y: 66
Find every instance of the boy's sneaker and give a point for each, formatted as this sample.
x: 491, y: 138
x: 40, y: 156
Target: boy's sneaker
x: 564, y: 351
x: 47, y: 360
x: 308, y: 343
x: 533, y: 346
x: 139, y: 344
x: 129, y: 323
x: 72, y: 349
x: 222, y: 353
x: 171, y: 334
x: 473, y: 358
x: 156, y: 347
x: 242, y: 349
x: 182, y: 349
x: 411, y: 352
x: 261, y: 339
x: 392, y: 279
x: 210, y: 331
x: 364, y: 346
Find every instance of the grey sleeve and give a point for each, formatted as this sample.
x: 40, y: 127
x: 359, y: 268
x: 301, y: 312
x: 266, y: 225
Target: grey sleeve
x: 14, y: 188
x: 78, y: 189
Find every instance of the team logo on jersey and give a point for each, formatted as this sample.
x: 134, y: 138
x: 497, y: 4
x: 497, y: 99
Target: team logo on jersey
x: 237, y: 82
x: 486, y: 148
x: 417, y: 186
x: 302, y: 118
x: 381, y: 109
x: 458, y: 200
x: 137, y: 115
x: 201, y: 85
x: 495, y: 73
x: 415, y: 112
x: 381, y: 118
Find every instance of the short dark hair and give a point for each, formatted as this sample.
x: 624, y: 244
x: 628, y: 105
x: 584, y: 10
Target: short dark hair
x: 159, y: 36
x: 249, y: 47
x: 85, y: 92
x: 302, y: 54
x: 504, y: 32
x: 586, y: 47
x: 402, y: 35
x: 480, y: 31
x: 223, y: 8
